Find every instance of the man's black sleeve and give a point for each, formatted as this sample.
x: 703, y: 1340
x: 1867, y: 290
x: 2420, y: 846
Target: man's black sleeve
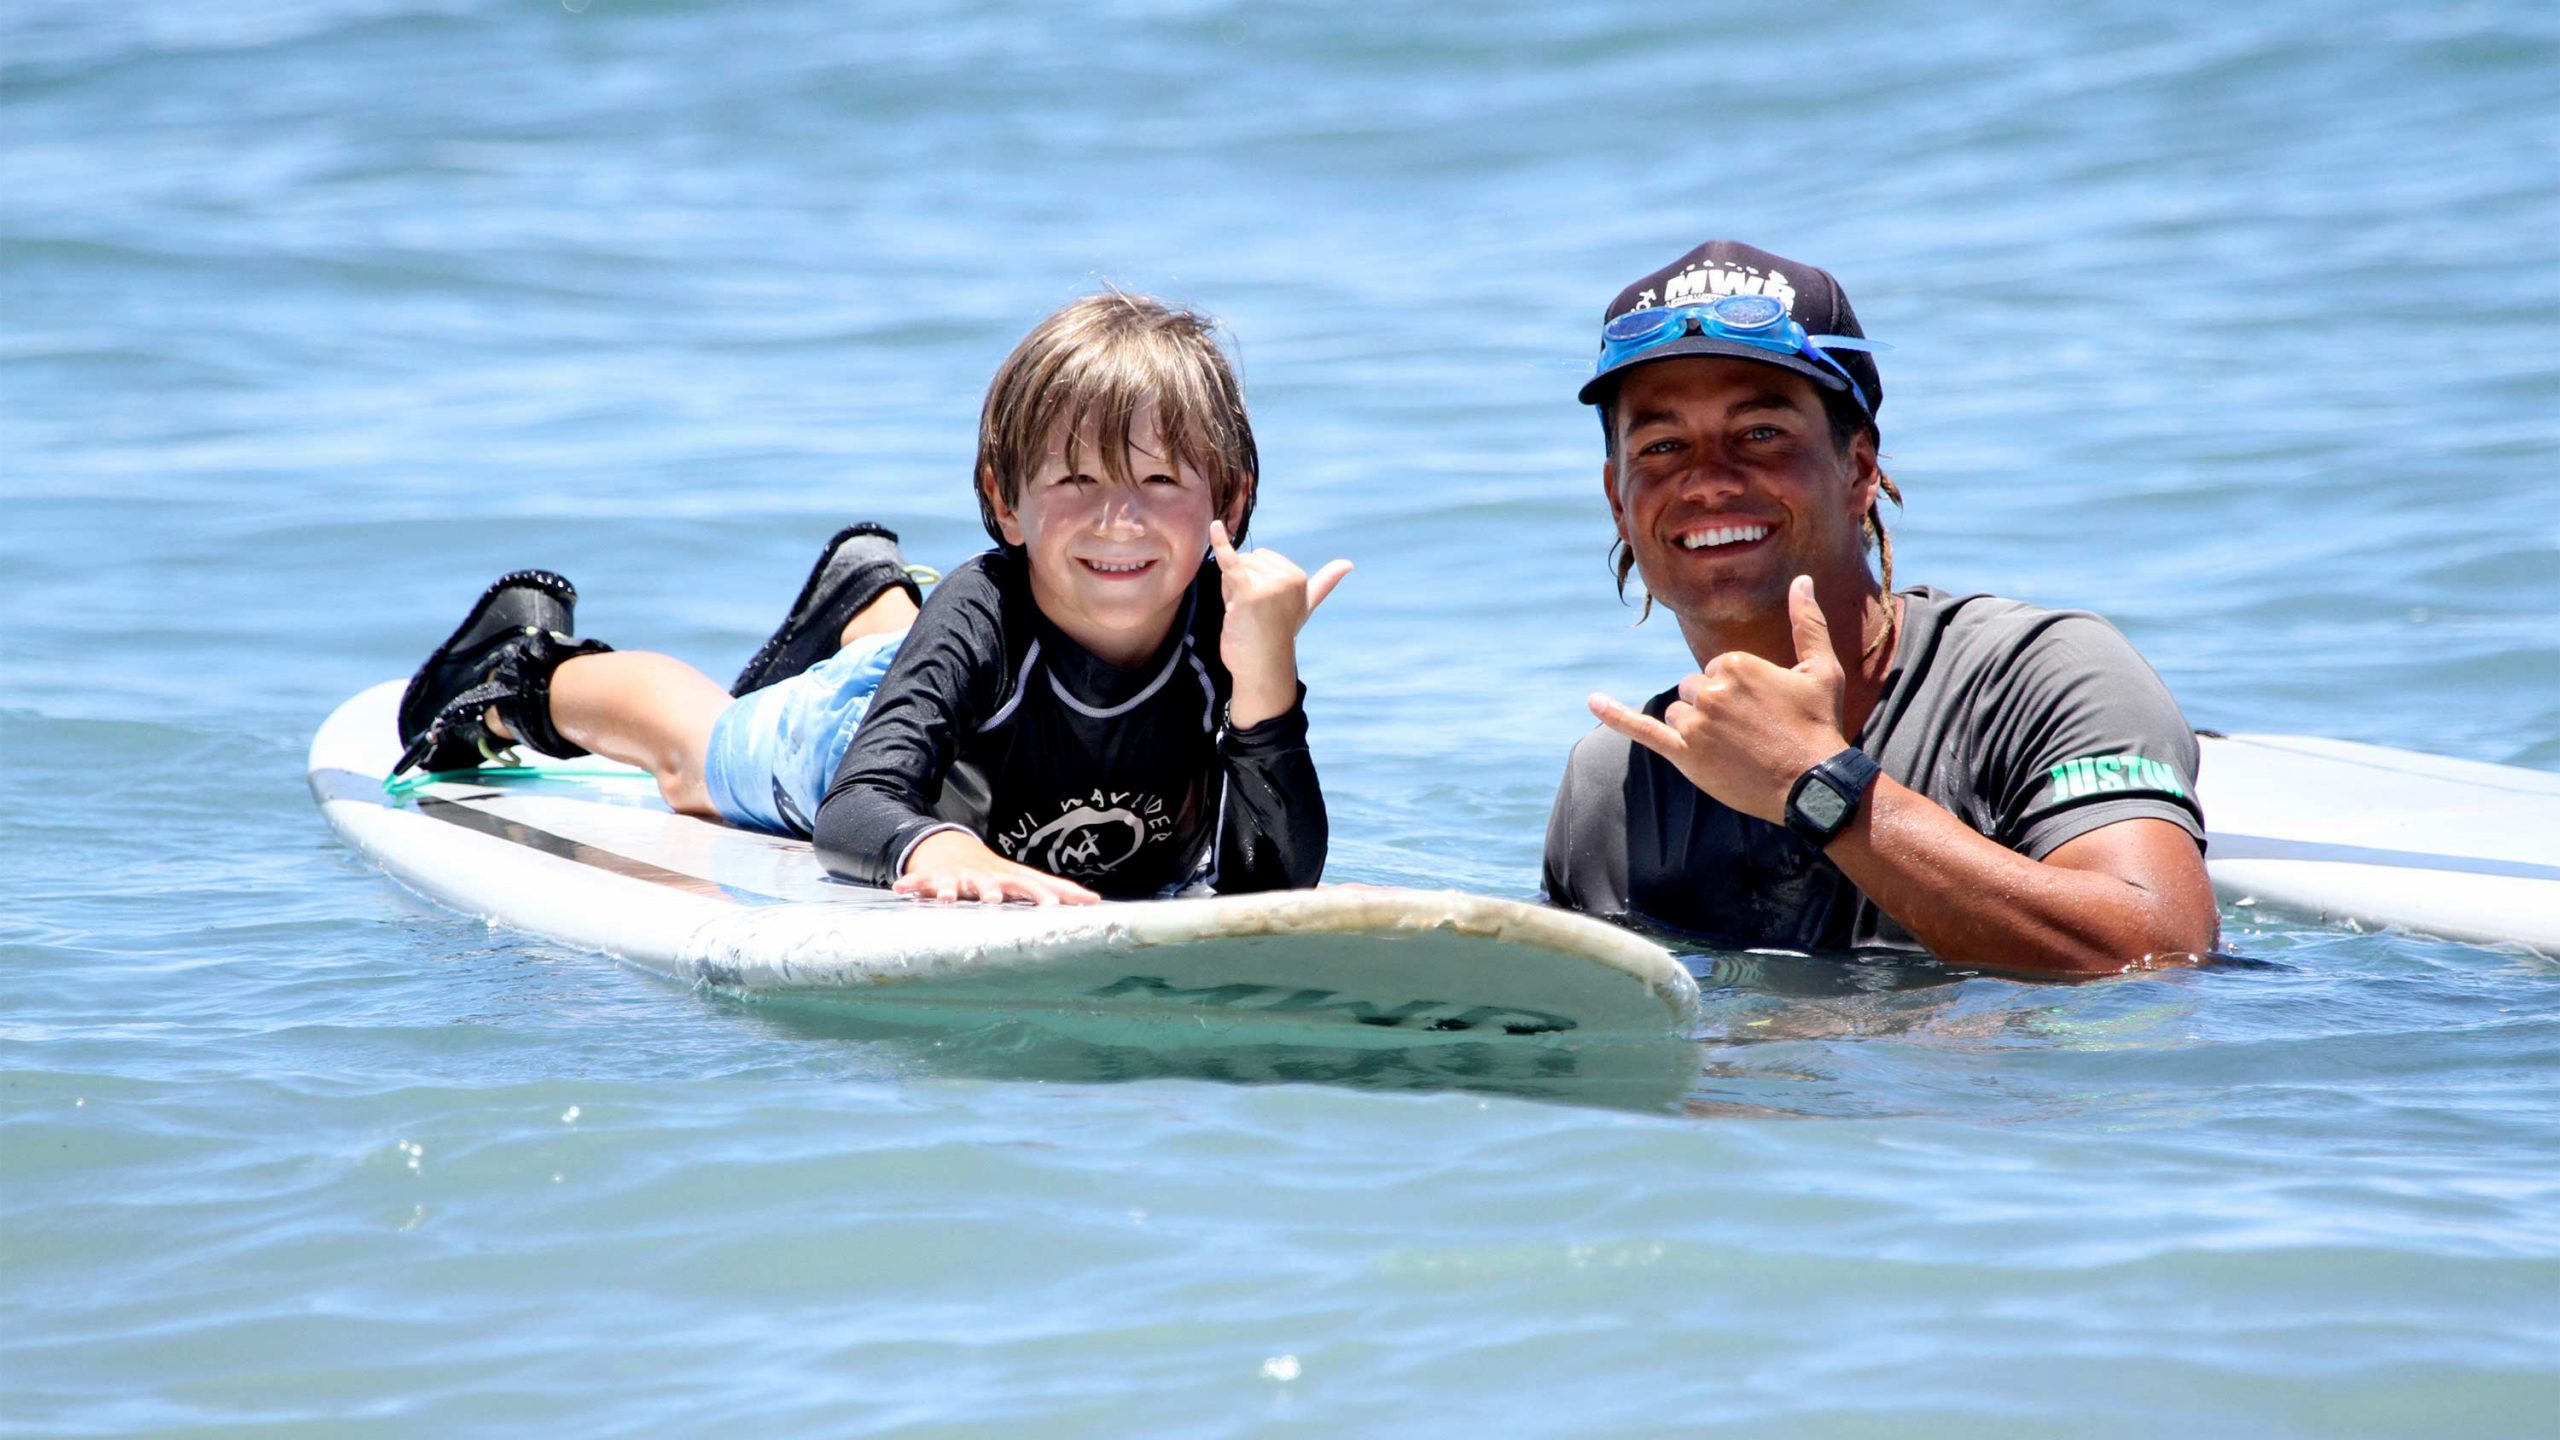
x: 882, y: 799
x: 1555, y: 883
x: 1587, y: 830
x: 1272, y: 832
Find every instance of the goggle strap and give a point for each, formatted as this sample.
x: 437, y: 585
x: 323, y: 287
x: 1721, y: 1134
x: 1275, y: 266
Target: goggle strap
x: 1813, y: 348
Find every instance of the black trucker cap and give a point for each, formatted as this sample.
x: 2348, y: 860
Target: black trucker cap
x: 1727, y: 267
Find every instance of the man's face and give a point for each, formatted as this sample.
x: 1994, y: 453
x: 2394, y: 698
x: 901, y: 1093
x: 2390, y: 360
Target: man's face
x: 1727, y: 486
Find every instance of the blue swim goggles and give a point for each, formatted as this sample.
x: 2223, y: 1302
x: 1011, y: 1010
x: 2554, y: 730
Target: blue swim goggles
x: 1759, y: 321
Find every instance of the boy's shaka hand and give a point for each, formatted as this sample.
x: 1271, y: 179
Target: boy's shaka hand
x: 1268, y: 598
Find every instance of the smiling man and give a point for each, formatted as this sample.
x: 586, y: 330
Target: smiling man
x: 2020, y: 792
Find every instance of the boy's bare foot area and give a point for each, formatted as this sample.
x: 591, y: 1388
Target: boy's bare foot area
x: 889, y: 612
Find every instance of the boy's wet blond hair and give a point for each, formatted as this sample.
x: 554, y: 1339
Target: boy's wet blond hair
x: 1089, y: 371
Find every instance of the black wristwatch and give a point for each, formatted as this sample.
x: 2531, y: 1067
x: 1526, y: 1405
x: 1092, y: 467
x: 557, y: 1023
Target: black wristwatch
x: 1826, y: 798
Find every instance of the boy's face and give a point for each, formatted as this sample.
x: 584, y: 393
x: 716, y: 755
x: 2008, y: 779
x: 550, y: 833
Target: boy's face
x: 1110, y: 562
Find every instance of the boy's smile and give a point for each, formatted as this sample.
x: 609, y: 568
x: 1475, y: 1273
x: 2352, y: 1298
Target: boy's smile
x: 1111, y: 560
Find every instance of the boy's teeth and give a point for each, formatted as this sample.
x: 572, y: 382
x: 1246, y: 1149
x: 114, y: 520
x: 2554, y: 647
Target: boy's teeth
x: 1107, y: 568
x: 1725, y: 536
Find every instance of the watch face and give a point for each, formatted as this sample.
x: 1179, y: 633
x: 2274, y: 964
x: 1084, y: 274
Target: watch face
x: 1821, y: 804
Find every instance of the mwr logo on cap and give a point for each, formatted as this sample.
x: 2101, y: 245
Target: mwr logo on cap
x: 1707, y: 280
x: 1813, y: 299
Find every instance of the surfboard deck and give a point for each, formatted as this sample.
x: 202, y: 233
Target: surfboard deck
x: 587, y: 854
x: 2363, y: 833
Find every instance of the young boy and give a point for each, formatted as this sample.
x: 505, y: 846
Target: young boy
x: 1082, y: 711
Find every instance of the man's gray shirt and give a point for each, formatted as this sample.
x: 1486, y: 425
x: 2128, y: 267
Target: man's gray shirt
x: 2032, y: 726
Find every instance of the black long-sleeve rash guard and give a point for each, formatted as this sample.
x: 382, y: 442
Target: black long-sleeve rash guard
x: 1127, y: 781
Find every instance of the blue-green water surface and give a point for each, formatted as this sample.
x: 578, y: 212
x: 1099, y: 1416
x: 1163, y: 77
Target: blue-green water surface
x: 2240, y: 325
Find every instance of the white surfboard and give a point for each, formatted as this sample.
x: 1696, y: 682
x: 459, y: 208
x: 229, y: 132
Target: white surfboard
x: 2362, y: 833
x: 584, y: 852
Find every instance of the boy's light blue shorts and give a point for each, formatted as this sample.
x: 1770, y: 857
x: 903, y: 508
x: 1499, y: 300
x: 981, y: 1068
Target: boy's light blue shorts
x: 774, y: 750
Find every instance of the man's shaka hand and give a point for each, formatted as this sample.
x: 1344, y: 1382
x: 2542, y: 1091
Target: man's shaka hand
x: 1743, y: 729
x: 1268, y: 598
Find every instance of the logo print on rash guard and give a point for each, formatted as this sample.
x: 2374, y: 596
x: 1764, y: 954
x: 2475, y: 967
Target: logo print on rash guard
x: 1093, y: 835
x: 2109, y: 774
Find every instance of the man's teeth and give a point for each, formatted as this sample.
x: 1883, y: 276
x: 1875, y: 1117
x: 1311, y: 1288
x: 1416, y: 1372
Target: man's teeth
x: 1729, y: 535
x: 1129, y: 568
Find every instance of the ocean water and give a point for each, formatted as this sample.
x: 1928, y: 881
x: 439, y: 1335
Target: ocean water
x: 2238, y: 324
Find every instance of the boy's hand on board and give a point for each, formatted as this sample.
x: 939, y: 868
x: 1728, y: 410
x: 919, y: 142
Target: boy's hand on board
x: 1268, y: 599
x: 956, y: 865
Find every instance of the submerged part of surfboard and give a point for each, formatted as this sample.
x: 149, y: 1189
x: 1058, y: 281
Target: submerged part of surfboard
x: 587, y: 854
x: 2456, y: 848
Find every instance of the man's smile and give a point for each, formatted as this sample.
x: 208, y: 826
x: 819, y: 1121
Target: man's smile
x: 1719, y: 536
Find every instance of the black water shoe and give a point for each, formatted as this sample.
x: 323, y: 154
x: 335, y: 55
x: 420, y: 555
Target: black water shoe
x: 502, y: 655
x: 860, y: 564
